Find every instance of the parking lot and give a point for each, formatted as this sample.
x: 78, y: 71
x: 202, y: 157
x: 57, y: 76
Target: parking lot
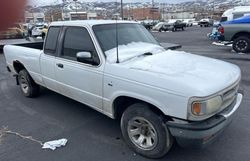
x: 95, y: 137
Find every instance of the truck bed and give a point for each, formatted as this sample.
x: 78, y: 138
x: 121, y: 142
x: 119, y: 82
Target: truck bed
x: 33, y: 45
x: 29, y: 57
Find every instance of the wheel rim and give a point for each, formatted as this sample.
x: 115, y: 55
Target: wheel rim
x: 241, y: 45
x: 142, y: 133
x: 24, y: 84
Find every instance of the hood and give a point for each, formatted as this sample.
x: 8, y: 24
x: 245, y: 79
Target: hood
x: 180, y: 72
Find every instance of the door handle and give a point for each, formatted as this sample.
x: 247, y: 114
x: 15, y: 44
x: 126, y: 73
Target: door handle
x: 60, y: 65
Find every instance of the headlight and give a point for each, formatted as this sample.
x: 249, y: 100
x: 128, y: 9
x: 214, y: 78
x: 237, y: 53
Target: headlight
x: 207, y: 107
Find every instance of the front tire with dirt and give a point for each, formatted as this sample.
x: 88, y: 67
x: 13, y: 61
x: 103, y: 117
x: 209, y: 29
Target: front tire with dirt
x: 145, y: 131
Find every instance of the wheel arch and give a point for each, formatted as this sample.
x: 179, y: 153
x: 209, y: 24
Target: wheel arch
x: 18, y: 66
x: 122, y: 102
x: 243, y: 33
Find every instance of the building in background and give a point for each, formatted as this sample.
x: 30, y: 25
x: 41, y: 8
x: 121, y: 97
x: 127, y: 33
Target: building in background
x: 142, y: 14
x: 31, y: 17
x: 178, y: 15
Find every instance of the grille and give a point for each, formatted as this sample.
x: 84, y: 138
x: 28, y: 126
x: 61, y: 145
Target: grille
x: 229, y: 96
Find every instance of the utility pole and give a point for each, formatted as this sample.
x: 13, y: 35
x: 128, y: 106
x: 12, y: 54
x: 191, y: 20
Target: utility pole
x: 153, y: 4
x: 63, y: 2
x: 122, y: 10
x: 76, y: 7
x: 213, y: 6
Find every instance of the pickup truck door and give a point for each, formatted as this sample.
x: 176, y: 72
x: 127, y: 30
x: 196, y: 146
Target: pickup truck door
x: 77, y: 80
x: 47, y: 59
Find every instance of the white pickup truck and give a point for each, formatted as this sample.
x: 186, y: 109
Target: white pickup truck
x: 158, y: 95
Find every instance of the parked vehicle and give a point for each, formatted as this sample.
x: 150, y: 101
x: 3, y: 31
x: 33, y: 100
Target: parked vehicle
x: 164, y: 26
x: 205, y: 22
x: 159, y: 96
x: 39, y: 30
x: 179, y: 25
x: 170, y: 26
x: 15, y: 32
x: 149, y: 24
x: 238, y: 33
x: 235, y: 13
x: 189, y: 23
x: 195, y: 23
x: 44, y: 31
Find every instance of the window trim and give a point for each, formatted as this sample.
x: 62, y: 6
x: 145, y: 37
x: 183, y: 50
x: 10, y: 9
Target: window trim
x: 65, y: 28
x: 52, y: 52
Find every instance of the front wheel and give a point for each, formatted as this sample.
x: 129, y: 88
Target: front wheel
x: 28, y: 87
x: 145, y: 132
x: 241, y: 44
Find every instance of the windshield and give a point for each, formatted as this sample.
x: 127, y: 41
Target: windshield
x: 223, y: 19
x: 127, y: 33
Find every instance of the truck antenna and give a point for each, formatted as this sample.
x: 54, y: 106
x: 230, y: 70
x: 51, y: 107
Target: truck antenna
x: 116, y: 30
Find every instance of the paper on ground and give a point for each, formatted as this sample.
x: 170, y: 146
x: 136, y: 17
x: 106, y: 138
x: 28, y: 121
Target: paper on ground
x: 54, y: 144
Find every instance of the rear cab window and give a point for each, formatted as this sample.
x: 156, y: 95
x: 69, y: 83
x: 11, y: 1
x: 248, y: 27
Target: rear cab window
x: 50, y: 47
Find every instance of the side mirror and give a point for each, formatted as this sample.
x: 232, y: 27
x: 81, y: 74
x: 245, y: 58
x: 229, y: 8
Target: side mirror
x: 84, y: 57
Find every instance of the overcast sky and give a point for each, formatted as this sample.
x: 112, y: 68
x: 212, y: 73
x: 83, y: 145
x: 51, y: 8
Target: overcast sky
x: 45, y: 2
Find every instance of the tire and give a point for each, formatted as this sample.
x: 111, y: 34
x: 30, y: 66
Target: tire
x: 28, y: 87
x: 160, y: 30
x: 43, y: 36
x: 241, y: 44
x: 159, y: 140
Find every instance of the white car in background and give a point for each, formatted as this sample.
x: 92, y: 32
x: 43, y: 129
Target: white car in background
x: 37, y: 31
x: 189, y: 23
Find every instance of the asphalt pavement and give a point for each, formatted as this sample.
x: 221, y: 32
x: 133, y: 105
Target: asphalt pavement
x: 95, y: 137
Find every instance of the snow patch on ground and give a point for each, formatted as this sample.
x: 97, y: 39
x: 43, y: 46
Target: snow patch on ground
x: 221, y: 44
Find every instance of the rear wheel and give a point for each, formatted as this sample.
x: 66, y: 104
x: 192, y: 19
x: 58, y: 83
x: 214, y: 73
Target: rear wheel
x: 241, y: 44
x: 145, y: 132
x: 28, y: 87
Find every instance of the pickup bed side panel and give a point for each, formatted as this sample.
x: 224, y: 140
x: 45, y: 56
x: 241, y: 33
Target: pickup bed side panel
x: 29, y: 57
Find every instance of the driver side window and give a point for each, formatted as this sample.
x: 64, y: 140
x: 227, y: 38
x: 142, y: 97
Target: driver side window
x: 77, y: 39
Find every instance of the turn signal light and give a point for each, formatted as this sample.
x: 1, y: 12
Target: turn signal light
x: 197, y: 108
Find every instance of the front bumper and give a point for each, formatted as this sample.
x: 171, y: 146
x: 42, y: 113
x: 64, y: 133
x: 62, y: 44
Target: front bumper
x: 203, y: 133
